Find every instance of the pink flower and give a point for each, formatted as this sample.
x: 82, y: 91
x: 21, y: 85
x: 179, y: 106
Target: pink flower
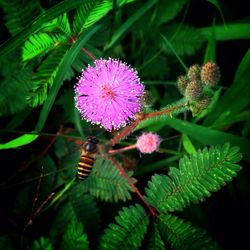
x: 147, y: 143
x: 109, y: 93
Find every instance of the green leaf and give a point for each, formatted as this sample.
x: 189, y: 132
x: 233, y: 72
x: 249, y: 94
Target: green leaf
x: 217, y: 5
x: 198, y: 175
x: 64, y: 215
x: 65, y: 64
x: 42, y: 244
x: 166, y: 10
x: 19, y: 141
x: 18, y: 14
x: 57, y: 10
x: 62, y: 22
x: 129, y: 22
x: 105, y: 182
x: 129, y: 230
x: 155, y: 240
x: 181, y: 235
x: 202, y: 134
x: 86, y: 211
x: 14, y: 88
x: 187, y: 144
x: 186, y: 40
x: 211, y: 46
x: 74, y: 238
x: 44, y: 78
x: 229, y: 105
x: 90, y: 13
x: 232, y: 31
x: 40, y: 43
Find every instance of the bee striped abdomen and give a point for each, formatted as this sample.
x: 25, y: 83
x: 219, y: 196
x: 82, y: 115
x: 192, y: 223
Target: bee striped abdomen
x: 85, y: 166
x: 87, y: 159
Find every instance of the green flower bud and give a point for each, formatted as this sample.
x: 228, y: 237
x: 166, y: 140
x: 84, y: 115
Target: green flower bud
x: 203, y: 102
x: 193, y: 91
x: 194, y: 72
x: 210, y: 74
x: 182, y: 82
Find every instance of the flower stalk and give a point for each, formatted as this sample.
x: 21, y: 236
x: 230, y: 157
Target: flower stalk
x: 151, y: 210
x: 141, y: 117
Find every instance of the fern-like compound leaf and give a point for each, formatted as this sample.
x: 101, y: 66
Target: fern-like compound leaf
x: 13, y: 91
x: 86, y: 211
x: 106, y: 183
x: 129, y: 230
x: 184, y: 38
x: 181, y: 235
x: 155, y: 241
x: 45, y: 76
x: 42, y: 244
x: 198, y: 175
x: 89, y: 13
x: 75, y: 238
x: 19, y: 13
x: 40, y: 43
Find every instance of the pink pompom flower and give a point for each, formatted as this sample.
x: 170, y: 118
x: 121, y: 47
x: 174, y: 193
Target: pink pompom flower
x: 147, y: 143
x: 109, y: 93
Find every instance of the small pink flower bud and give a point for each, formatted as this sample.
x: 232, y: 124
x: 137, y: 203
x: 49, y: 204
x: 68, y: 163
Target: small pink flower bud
x: 148, y: 142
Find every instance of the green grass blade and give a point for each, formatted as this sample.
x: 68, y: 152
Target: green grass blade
x: 211, y: 46
x: 125, y: 27
x: 217, y: 5
x: 234, y: 100
x: 62, y: 71
x: 230, y: 32
x: 172, y: 48
x: 57, y: 10
x: 19, y: 141
x: 209, y: 136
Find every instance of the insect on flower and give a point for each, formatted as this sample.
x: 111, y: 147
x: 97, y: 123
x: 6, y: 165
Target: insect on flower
x: 109, y: 94
x: 88, y: 155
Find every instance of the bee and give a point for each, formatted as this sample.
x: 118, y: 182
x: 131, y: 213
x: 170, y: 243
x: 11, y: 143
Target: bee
x: 87, y: 159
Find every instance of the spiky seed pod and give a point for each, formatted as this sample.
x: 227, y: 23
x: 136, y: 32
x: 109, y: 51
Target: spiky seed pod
x: 200, y: 105
x: 203, y: 102
x: 182, y: 82
x: 193, y: 91
x: 194, y: 72
x: 210, y: 74
x: 147, y: 99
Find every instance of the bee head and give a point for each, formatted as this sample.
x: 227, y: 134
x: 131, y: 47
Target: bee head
x: 92, y: 139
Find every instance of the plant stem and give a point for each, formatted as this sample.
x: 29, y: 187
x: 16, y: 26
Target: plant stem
x: 134, y: 188
x: 119, y: 150
x: 88, y: 54
x: 126, y: 131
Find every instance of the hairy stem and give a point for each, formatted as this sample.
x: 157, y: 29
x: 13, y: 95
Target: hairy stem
x: 152, y: 212
x: 119, y: 150
x: 88, y: 54
x: 126, y: 131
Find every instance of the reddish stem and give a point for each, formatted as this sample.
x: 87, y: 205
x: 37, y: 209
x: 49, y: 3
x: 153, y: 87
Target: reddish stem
x: 119, y: 150
x: 126, y: 131
x: 134, y: 188
x: 88, y: 54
